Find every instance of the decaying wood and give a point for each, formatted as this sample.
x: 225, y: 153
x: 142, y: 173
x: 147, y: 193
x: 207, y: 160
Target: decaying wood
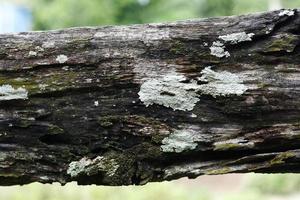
x: 121, y: 105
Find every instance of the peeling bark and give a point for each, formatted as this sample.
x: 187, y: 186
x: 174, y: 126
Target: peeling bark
x: 122, y: 105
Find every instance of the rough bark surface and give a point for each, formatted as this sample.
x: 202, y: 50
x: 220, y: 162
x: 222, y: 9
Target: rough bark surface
x: 121, y: 105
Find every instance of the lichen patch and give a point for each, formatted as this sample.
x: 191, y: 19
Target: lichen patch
x: 170, y: 91
x: 235, y: 38
x: 174, y: 90
x: 62, y: 59
x: 287, y: 12
x: 180, y: 140
x: 48, y: 44
x: 32, y: 53
x: 86, y: 166
x: 218, y: 49
x: 7, y: 92
x: 222, y: 83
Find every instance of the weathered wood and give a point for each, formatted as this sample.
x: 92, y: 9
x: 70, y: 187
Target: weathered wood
x: 121, y: 105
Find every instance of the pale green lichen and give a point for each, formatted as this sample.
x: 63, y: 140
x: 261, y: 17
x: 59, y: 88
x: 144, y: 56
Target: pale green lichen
x: 62, y: 59
x: 181, y: 140
x: 235, y: 38
x: 221, y: 83
x: 32, y: 53
x: 49, y: 44
x: 287, y: 12
x: 218, y: 49
x: 7, y: 92
x: 170, y: 91
x: 174, y: 91
x: 89, y: 167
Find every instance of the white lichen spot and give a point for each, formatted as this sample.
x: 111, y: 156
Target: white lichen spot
x: 235, y: 38
x: 89, y: 80
x: 43, y: 86
x: 96, y: 103
x: 32, y: 53
x: 221, y: 83
x: 66, y: 68
x: 86, y: 166
x: 218, y: 49
x: 78, y: 167
x: 170, y: 91
x: 193, y: 115
x: 62, y: 59
x: 287, y: 12
x: 48, y: 44
x: 175, y: 91
x: 39, y: 49
x: 180, y: 140
x: 7, y: 92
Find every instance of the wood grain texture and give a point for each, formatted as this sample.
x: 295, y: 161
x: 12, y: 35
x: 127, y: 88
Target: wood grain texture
x: 122, y: 105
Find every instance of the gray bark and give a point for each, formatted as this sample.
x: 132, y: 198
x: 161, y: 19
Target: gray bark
x: 122, y: 105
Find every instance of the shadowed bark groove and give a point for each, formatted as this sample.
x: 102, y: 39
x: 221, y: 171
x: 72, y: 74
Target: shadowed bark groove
x: 122, y: 105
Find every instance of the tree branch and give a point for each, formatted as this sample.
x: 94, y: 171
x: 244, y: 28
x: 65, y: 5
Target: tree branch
x: 122, y: 105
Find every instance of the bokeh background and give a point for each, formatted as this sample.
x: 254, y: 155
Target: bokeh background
x: 27, y: 15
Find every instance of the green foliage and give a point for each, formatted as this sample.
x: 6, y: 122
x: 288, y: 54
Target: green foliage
x: 258, y: 186
x: 72, y: 191
x: 211, y: 8
x: 275, y: 184
x: 53, y: 14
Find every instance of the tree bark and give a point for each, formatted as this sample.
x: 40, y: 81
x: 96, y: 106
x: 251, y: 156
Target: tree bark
x: 122, y: 105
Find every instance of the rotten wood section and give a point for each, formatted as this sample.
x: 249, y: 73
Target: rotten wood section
x: 122, y: 105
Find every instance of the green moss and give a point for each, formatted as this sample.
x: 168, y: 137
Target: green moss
x: 178, y: 47
x: 284, y: 43
x: 33, y: 84
x: 262, y: 85
x: 107, y: 121
x: 281, y: 157
x: 223, y: 170
x: 24, y: 123
x: 54, y: 130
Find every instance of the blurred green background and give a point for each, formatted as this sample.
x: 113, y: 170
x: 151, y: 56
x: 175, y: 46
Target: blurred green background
x: 55, y: 14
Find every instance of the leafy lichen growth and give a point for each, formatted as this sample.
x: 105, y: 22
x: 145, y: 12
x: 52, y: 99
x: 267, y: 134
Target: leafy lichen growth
x: 235, y: 38
x: 170, y: 91
x: 62, y: 59
x: 181, y: 140
x: 218, y: 49
x: 90, y: 167
x: 287, y: 12
x: 7, y: 92
x: 175, y: 91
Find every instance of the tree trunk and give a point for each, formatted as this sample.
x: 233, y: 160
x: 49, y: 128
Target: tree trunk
x: 122, y: 105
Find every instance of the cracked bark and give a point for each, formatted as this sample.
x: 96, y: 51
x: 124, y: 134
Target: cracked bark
x: 72, y: 106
